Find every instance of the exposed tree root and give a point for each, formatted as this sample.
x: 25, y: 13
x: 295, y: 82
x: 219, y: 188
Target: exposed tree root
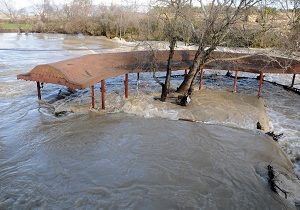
x: 184, y: 100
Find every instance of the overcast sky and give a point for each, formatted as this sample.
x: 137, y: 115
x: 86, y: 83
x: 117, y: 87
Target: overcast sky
x: 25, y: 3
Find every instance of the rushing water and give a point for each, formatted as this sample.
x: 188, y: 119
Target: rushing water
x: 93, y: 160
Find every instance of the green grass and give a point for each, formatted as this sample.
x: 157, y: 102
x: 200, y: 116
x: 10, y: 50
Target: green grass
x: 15, y: 26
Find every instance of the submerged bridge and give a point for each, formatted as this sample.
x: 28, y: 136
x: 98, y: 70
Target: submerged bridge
x: 86, y: 71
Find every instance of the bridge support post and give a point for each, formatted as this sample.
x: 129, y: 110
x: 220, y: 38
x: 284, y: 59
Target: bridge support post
x: 93, y: 96
x: 261, y: 77
x: 235, y: 81
x: 138, y: 76
x: 103, y: 94
x: 126, y: 85
x: 201, y: 79
x: 185, y: 72
x: 293, y: 80
x: 38, y: 86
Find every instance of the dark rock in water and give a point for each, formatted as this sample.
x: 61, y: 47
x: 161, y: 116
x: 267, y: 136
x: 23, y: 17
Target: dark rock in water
x: 228, y: 74
x: 258, y: 77
x: 271, y: 178
x: 59, y: 114
x: 297, y: 204
x: 274, y: 136
x: 62, y: 94
x: 258, y: 126
x: 184, y: 100
x: 71, y: 91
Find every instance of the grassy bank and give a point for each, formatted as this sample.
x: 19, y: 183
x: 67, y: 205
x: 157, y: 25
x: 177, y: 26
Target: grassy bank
x: 14, y: 27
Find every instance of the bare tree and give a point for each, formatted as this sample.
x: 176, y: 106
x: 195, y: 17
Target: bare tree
x: 7, y: 8
x: 172, y: 13
x: 214, y: 21
x: 79, y: 14
x: 42, y: 9
x: 291, y: 9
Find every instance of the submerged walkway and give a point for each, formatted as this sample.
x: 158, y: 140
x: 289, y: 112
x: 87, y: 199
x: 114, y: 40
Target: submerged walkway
x: 85, y: 71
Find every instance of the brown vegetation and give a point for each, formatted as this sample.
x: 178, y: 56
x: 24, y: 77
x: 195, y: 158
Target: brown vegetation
x: 257, y: 26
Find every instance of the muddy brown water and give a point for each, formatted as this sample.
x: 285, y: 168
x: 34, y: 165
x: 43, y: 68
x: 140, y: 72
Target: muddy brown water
x: 122, y: 161
x: 118, y: 161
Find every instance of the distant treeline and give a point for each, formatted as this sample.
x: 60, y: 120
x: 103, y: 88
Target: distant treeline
x: 262, y: 26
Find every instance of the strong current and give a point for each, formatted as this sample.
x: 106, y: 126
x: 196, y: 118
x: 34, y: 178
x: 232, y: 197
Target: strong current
x: 121, y: 160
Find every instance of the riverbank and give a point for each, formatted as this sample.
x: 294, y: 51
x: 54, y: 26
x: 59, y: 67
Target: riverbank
x: 7, y: 27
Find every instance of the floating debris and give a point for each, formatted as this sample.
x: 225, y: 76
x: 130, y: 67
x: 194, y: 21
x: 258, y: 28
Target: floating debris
x: 188, y: 120
x: 275, y: 137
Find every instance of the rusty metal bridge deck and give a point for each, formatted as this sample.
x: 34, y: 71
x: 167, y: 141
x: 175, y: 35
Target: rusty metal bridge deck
x: 85, y: 71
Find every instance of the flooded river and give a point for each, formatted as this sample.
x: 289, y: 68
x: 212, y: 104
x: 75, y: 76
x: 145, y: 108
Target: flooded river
x: 122, y: 160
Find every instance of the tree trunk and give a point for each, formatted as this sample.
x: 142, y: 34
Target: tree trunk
x: 201, y: 57
x: 166, y: 85
x: 189, y: 78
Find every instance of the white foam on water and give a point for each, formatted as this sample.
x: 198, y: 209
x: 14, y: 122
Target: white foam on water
x: 282, y: 107
x: 219, y: 107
